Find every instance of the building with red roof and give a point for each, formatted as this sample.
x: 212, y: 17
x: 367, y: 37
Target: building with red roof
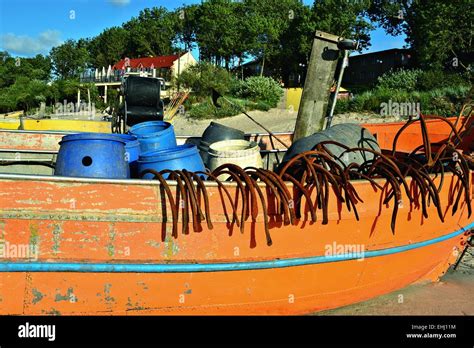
x: 163, y: 66
x: 147, y: 62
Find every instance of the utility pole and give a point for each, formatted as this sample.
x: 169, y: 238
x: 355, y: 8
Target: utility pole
x: 345, y: 46
x: 319, y: 79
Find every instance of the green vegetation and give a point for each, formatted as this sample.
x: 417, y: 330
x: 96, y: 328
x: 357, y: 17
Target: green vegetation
x: 69, y: 59
x: 25, y: 84
x: 206, y: 109
x: 437, y: 92
x: 278, y: 33
x: 402, y: 79
x: 253, y: 93
x: 204, y: 77
x: 439, y: 32
x: 37, y: 68
x: 264, y: 89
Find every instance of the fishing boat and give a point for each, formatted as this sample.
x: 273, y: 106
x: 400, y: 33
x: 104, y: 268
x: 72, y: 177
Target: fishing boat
x: 126, y: 247
x: 56, y: 125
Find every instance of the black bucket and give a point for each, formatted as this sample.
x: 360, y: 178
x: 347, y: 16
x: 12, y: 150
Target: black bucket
x: 217, y: 132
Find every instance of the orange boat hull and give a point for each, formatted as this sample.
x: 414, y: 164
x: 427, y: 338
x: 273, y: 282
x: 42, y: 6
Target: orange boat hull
x: 102, y: 248
x: 295, y: 290
x: 122, y: 226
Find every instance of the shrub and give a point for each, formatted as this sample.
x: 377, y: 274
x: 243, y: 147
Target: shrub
x: 113, y: 97
x: 261, y: 105
x: 445, y: 101
x: 410, y: 80
x: 24, y: 94
x: 206, y: 109
x: 203, y: 77
x: 357, y: 104
x: 235, y: 87
x: 399, y: 80
x: 433, y: 79
x: 257, y: 88
x: 439, y: 106
x: 342, y: 106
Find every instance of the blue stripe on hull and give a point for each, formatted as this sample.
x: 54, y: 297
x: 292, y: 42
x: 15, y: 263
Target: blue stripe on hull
x: 211, y: 267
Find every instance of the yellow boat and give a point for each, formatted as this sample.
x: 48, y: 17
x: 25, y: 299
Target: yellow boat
x: 57, y: 125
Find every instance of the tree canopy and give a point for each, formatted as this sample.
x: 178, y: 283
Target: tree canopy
x: 437, y: 30
x: 70, y: 58
x: 277, y: 33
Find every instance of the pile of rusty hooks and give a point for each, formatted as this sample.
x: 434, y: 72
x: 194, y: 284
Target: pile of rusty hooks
x: 439, y: 158
x: 191, y: 196
x: 317, y: 173
x: 394, y: 168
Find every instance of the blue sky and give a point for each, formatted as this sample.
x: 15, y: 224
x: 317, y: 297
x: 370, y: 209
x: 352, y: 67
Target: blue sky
x: 29, y: 27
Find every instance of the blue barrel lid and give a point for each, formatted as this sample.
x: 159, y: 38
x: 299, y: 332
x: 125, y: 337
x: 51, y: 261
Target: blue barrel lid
x: 179, y: 151
x: 131, y: 141
x: 127, y: 137
x: 142, y: 130
x: 92, y: 136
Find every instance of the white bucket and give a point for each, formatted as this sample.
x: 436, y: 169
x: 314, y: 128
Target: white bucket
x: 240, y: 152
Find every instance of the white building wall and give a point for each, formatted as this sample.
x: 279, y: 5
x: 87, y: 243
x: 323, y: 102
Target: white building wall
x: 185, y: 61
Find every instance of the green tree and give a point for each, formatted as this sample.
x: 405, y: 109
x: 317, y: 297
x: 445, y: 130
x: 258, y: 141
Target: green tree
x: 70, y: 58
x: 38, y: 67
x: 205, y: 76
x: 438, y: 31
x: 152, y: 32
x: 218, y: 27
x: 24, y: 94
x: 269, y: 19
x: 285, y: 35
x: 109, y: 46
x: 344, y: 18
x: 295, y: 44
x: 186, y: 25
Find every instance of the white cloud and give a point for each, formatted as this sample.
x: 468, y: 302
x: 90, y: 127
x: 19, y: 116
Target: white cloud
x: 119, y: 2
x: 23, y: 44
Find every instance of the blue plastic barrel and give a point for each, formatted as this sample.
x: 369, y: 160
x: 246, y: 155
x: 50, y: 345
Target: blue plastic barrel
x: 154, y: 135
x: 177, y: 158
x: 92, y: 155
x: 132, y: 152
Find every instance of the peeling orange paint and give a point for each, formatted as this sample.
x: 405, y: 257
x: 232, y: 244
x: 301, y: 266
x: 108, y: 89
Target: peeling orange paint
x: 122, y: 223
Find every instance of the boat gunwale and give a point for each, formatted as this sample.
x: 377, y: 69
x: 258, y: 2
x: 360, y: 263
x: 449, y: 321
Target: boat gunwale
x: 173, y: 183
x: 75, y: 132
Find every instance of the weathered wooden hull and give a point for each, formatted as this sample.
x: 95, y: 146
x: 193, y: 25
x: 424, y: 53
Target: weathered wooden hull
x: 104, y: 249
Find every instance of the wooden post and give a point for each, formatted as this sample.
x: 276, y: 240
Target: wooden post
x: 179, y: 69
x: 319, y: 79
x: 78, y: 98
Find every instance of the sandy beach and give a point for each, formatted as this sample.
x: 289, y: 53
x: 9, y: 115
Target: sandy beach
x: 277, y: 120
x: 451, y: 295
